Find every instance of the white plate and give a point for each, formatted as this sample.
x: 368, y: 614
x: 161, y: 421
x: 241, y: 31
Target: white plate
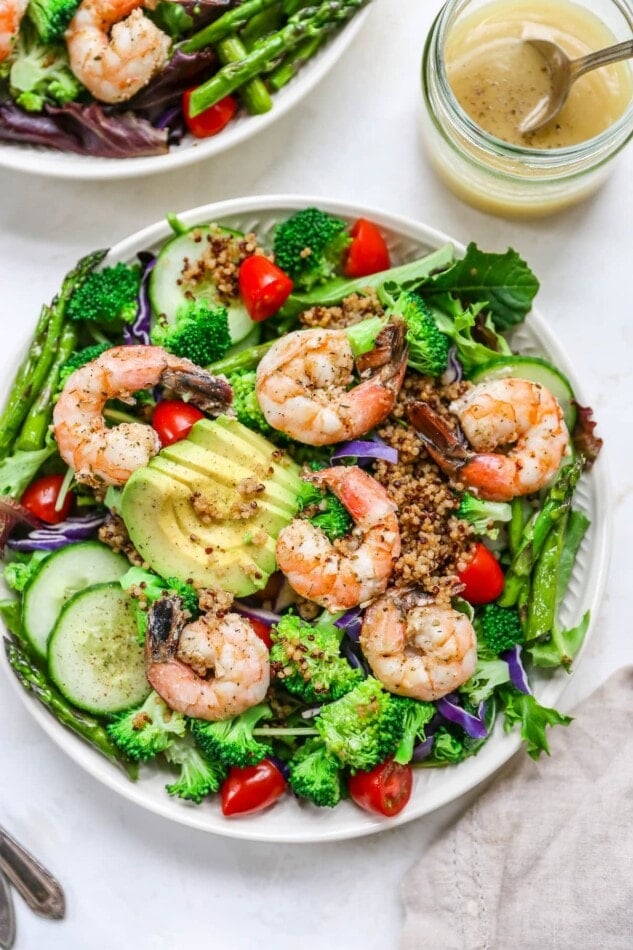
x: 288, y: 821
x: 56, y: 164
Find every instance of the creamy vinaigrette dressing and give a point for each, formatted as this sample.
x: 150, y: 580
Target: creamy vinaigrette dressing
x: 497, y: 79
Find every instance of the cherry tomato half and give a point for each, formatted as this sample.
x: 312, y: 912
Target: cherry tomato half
x: 212, y: 120
x: 264, y: 287
x: 368, y: 253
x: 483, y: 577
x: 40, y: 498
x: 262, y: 630
x: 251, y: 789
x: 173, y: 419
x: 385, y: 790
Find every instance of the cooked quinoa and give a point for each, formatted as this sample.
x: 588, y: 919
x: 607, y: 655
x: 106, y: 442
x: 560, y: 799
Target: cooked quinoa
x: 435, y: 544
x: 352, y: 310
x: 220, y: 262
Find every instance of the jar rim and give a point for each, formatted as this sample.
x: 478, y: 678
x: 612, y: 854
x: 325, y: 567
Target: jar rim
x: 540, y: 157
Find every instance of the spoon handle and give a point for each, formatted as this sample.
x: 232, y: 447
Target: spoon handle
x: 602, y: 57
x: 37, y: 886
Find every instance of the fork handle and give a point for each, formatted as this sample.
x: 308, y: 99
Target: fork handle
x: 602, y: 57
x: 41, y: 891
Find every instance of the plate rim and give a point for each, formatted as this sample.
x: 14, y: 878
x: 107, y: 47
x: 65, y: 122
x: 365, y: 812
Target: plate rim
x: 49, y: 163
x: 254, y: 828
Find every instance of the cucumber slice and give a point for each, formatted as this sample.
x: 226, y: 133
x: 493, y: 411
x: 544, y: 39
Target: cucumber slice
x: 167, y: 295
x: 62, y: 575
x: 537, y: 371
x: 94, y: 656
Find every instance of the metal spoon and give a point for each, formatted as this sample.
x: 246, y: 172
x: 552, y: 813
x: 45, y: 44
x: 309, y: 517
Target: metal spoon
x: 7, y: 915
x: 564, y: 71
x: 37, y: 886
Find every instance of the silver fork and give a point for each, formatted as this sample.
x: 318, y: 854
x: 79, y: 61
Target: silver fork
x: 41, y: 891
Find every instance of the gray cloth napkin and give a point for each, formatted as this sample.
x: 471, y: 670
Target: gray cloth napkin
x: 544, y: 858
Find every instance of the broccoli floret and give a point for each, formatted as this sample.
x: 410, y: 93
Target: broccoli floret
x: 199, y: 776
x: 146, y: 587
x: 310, y: 245
x: 245, y: 401
x: 484, y: 516
x: 315, y: 774
x: 447, y: 748
x: 41, y: 74
x: 80, y: 358
x: 306, y: 659
x: 200, y: 333
x: 145, y: 731
x: 18, y: 573
x: 108, y: 296
x: 428, y: 346
x: 490, y: 672
x: 231, y: 741
x: 363, y: 727
x: 325, y: 511
x: 416, y: 716
x: 51, y: 17
x: 500, y: 628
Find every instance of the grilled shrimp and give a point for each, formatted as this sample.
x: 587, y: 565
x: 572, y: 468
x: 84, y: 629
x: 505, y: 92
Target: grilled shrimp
x: 114, y: 49
x: 109, y: 456
x: 416, y: 647
x: 214, y: 668
x: 514, y: 413
x: 338, y: 578
x: 302, y: 384
x: 11, y: 13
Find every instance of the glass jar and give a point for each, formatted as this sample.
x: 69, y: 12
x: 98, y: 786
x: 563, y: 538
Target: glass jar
x: 504, y: 179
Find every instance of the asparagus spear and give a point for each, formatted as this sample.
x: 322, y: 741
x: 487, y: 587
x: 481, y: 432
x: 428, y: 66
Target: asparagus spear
x: 556, y: 506
x: 34, y: 680
x: 33, y: 432
x: 228, y: 23
x: 292, y: 63
x: 306, y: 24
x: 41, y: 354
x: 254, y: 93
x: 246, y: 359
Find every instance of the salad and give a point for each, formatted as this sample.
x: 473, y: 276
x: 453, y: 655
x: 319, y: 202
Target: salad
x: 287, y: 516
x: 129, y: 79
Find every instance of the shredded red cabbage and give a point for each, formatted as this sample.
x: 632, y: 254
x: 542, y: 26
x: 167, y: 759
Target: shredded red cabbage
x: 281, y: 765
x: 423, y: 749
x: 518, y: 676
x: 454, y: 371
x: 138, y: 332
x: 52, y: 537
x: 366, y: 450
x: 473, y: 726
x: 351, y: 622
x: 257, y: 613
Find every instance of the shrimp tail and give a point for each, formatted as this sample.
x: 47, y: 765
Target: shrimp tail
x: 211, y: 394
x: 444, y: 447
x: 389, y: 354
x: 165, y: 622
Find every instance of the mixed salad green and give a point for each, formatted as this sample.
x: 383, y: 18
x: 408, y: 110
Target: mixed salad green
x: 92, y: 566
x: 122, y: 80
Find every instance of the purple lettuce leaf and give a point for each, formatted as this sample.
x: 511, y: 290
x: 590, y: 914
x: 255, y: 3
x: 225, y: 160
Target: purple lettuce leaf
x: 83, y: 129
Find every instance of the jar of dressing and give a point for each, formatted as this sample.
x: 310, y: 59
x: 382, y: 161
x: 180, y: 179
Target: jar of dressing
x: 479, y: 80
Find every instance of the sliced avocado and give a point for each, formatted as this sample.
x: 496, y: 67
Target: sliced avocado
x: 191, y: 513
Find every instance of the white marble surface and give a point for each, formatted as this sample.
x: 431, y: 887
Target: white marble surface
x: 132, y: 879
